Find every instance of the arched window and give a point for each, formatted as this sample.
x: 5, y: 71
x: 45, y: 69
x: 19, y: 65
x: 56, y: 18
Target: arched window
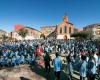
x: 60, y: 30
x: 70, y: 30
x: 64, y: 29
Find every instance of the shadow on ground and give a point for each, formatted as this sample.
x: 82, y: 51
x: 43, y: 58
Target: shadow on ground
x: 39, y: 70
x: 23, y: 78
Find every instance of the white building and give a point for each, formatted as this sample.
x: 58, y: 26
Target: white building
x: 32, y: 34
x: 94, y: 29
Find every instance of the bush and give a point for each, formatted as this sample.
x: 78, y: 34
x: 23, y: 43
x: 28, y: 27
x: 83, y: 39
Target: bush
x: 84, y: 35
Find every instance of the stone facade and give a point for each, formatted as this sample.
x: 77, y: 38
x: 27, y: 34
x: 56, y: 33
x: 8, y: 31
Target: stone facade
x: 64, y: 28
x: 32, y: 33
x: 94, y: 29
x: 46, y: 30
x: 77, y: 30
x: 2, y: 32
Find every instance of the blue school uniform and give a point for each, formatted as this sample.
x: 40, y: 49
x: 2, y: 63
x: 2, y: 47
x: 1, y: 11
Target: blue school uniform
x: 22, y: 59
x: 83, y: 69
x: 57, y: 64
x: 3, y: 61
x: 6, y: 58
x: 33, y: 58
x: 13, y: 62
x: 69, y: 69
x: 18, y: 59
x: 94, y: 69
x: 29, y: 59
x: 12, y: 53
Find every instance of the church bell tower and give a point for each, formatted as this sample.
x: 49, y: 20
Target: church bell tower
x: 65, y: 18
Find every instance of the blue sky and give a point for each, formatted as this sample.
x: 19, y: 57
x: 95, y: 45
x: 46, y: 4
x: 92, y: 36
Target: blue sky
x: 37, y: 13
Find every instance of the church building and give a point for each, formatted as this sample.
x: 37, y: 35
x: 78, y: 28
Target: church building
x: 63, y: 30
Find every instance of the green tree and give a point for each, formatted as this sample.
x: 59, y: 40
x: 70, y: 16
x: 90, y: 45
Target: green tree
x: 4, y: 37
x: 83, y: 35
x: 98, y: 40
x: 23, y: 32
x: 42, y: 36
x: 90, y: 34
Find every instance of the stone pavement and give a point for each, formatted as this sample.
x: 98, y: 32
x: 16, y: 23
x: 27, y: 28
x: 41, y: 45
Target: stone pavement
x: 24, y: 72
x: 35, y: 72
x: 19, y: 73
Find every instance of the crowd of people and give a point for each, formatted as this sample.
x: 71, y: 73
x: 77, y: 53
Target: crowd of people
x: 79, y: 55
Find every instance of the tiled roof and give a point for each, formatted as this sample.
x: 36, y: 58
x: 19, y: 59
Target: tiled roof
x: 92, y: 25
x: 33, y: 29
x: 47, y: 26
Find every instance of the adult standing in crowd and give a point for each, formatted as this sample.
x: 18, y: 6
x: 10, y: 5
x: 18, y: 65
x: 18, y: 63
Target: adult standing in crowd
x: 83, y: 68
x: 69, y: 68
x: 57, y: 66
x: 47, y: 60
x: 91, y: 68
